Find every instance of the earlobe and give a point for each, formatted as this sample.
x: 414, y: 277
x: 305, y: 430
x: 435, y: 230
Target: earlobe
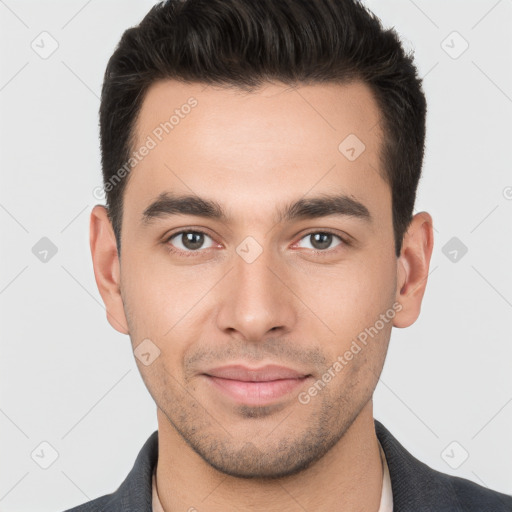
x: 106, y: 267
x: 412, y: 268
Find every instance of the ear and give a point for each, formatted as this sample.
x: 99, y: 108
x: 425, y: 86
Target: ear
x: 412, y: 268
x: 107, y: 267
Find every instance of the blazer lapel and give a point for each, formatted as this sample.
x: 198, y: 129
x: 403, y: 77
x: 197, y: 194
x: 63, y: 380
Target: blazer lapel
x: 135, y: 493
x: 416, y: 487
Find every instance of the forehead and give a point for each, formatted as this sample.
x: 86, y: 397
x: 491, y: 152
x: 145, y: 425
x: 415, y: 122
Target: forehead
x: 277, y: 143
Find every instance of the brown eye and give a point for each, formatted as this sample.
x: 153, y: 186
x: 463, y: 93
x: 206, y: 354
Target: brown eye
x: 190, y: 240
x: 321, y: 241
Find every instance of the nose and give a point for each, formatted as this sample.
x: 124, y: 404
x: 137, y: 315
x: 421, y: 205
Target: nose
x: 256, y: 299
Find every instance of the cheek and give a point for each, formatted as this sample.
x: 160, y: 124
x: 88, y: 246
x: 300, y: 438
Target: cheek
x: 352, y: 296
x: 159, y: 295
x: 162, y: 379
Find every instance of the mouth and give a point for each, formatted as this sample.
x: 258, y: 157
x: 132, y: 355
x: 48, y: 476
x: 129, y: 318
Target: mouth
x: 255, y: 386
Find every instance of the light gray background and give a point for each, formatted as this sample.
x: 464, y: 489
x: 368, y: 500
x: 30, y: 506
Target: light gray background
x: 69, y: 379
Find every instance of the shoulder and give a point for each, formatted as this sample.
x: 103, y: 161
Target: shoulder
x: 99, y: 504
x: 474, y: 497
x: 417, y: 487
x: 135, y: 492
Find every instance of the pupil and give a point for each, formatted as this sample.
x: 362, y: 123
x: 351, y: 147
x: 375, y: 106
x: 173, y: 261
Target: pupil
x: 321, y: 240
x: 193, y: 240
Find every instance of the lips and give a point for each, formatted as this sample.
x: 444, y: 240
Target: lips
x: 263, y: 374
x: 255, y: 386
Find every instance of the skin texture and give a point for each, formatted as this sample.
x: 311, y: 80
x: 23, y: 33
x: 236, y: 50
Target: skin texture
x: 255, y: 153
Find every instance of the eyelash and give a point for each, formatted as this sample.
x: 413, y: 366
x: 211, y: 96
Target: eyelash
x: 188, y: 254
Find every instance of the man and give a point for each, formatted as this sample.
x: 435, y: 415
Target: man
x: 260, y: 162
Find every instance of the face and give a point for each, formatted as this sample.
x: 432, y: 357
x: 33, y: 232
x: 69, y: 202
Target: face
x: 257, y: 249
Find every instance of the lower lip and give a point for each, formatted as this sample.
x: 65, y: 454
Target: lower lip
x: 256, y: 393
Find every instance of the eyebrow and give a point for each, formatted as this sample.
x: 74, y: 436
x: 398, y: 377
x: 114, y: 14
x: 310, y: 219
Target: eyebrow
x: 167, y: 204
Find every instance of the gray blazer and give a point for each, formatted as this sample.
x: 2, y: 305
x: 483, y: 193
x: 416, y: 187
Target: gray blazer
x: 416, y: 487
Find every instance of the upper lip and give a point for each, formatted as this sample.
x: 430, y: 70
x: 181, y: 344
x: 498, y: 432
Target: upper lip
x: 262, y: 374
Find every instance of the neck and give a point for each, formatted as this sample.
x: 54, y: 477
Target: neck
x: 348, y: 477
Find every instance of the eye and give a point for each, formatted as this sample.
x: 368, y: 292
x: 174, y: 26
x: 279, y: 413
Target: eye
x: 320, y: 240
x: 190, y: 241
